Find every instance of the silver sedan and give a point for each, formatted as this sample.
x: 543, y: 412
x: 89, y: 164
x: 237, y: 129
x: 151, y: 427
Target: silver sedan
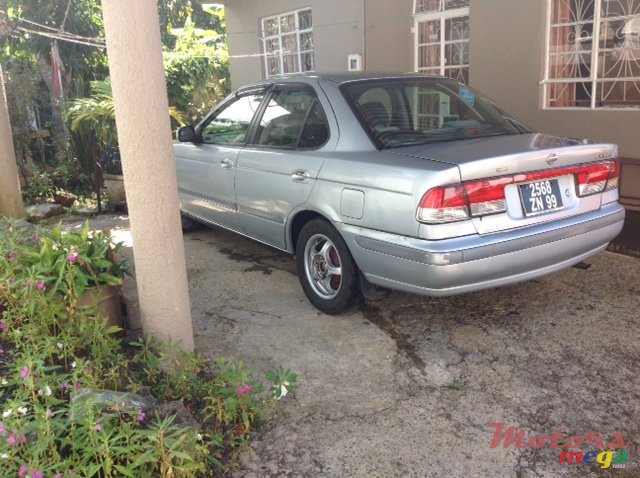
x: 409, y: 182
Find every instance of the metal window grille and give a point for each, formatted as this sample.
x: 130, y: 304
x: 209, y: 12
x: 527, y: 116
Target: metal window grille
x: 442, y: 38
x: 288, y: 43
x: 592, y: 54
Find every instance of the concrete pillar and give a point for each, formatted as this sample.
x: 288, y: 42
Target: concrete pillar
x: 132, y: 31
x: 10, y: 195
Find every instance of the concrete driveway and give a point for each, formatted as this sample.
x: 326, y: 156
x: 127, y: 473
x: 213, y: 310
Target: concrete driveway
x: 406, y: 386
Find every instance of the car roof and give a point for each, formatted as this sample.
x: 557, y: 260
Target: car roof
x: 341, y: 77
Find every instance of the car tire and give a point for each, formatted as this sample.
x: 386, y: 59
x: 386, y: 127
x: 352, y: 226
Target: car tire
x: 327, y: 272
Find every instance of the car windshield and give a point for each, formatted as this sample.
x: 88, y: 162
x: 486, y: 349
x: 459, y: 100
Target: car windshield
x: 413, y: 111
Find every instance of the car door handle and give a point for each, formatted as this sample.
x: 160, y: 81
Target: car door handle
x: 300, y: 176
x: 226, y: 163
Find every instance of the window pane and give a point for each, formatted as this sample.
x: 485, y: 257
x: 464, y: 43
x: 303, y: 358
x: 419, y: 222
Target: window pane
x: 272, y: 45
x: 306, y: 41
x: 429, y: 32
x: 284, y: 117
x: 273, y: 65
x: 570, y: 65
x: 271, y: 26
x: 307, y: 62
x: 287, y: 23
x: 428, y: 56
x: 450, y: 4
x: 231, y: 124
x: 618, y: 93
x: 427, y: 6
x: 290, y: 63
x: 304, y: 20
x: 457, y: 54
x: 457, y: 28
x: 316, y: 129
x: 290, y: 43
x: 422, y: 111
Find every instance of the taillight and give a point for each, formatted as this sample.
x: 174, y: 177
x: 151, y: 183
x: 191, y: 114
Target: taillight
x: 483, y: 197
x: 443, y: 204
x: 614, y: 175
x: 592, y: 178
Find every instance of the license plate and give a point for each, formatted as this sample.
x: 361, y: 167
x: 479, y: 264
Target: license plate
x: 540, y: 196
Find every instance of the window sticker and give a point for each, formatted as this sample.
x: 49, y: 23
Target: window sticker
x: 467, y: 95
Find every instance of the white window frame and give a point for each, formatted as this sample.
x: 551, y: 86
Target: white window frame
x: 593, y: 79
x: 279, y: 35
x: 443, y: 16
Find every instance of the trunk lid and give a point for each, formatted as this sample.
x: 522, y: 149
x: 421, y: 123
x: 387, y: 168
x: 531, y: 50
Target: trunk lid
x: 488, y: 157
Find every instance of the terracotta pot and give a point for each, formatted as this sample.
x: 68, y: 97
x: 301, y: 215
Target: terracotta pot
x: 63, y: 200
x: 107, y: 299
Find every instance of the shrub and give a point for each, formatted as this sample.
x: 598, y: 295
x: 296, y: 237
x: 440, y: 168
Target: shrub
x: 67, y: 382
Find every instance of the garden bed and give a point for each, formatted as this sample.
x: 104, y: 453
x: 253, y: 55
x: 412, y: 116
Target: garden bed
x: 77, y: 401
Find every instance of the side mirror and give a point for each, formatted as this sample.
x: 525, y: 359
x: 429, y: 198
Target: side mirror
x: 186, y: 134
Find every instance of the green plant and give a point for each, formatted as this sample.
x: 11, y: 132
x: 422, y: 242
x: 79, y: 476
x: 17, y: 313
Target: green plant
x: 59, y: 362
x: 74, y: 260
x: 39, y: 188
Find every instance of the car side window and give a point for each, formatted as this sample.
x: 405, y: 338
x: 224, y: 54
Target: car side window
x: 231, y: 124
x: 293, y: 118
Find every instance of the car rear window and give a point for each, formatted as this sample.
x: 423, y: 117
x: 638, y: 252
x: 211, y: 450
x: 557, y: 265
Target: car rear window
x: 405, y: 112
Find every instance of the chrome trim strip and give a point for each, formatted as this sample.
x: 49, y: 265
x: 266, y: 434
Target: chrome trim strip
x: 218, y: 202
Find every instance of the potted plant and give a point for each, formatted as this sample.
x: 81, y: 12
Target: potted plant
x: 84, y: 267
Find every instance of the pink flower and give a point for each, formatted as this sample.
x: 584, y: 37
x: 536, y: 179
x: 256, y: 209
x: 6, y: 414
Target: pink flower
x: 57, y: 475
x: 24, y: 373
x: 140, y: 417
x: 98, y: 427
x: 49, y: 413
x: 23, y: 471
x: 1, y: 351
x: 1, y: 428
x: 11, y: 440
x: 36, y: 474
x: 3, y: 326
x: 244, y: 390
x: 72, y: 258
x: 40, y: 285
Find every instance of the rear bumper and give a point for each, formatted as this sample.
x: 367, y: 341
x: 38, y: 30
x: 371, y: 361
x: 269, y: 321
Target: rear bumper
x: 469, y: 263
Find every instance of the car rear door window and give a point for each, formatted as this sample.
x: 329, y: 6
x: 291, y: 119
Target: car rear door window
x: 231, y: 123
x: 293, y: 118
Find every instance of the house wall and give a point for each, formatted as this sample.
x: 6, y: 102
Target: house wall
x: 388, y: 37
x: 507, y: 63
x: 338, y: 30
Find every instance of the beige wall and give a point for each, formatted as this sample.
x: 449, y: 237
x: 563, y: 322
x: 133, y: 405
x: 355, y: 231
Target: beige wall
x: 340, y: 28
x: 507, y: 63
x: 337, y: 32
x: 389, y: 41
